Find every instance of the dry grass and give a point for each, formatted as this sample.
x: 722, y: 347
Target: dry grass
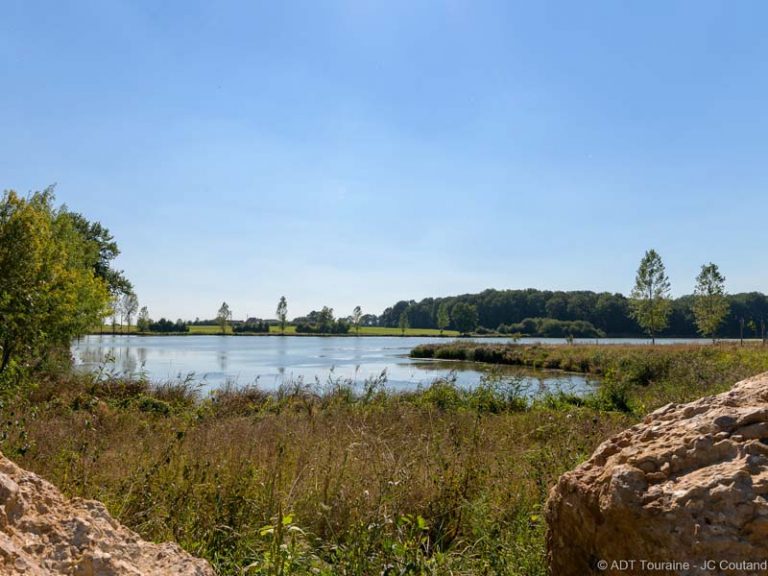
x: 347, y: 481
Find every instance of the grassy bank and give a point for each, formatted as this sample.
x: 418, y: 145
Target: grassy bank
x: 344, y: 479
x: 646, y: 376
x: 289, y: 331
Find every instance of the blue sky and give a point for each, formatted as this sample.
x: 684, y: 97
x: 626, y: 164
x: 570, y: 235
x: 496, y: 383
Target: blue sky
x: 358, y: 152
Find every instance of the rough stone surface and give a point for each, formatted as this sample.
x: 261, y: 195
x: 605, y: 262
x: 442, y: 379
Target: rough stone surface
x: 44, y: 533
x: 689, y: 484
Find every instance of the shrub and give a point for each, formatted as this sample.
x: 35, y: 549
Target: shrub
x: 164, y: 325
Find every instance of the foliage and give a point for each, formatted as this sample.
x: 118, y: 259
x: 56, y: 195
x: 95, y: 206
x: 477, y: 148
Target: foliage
x: 50, y: 287
x: 609, y: 313
x: 223, y: 317
x: 282, y: 313
x: 129, y: 305
x: 251, y: 327
x: 357, y: 315
x: 549, y: 328
x: 164, y: 325
x: 403, y: 323
x: 683, y: 372
x: 650, y: 304
x: 322, y: 322
x: 101, y: 250
x: 143, y: 321
x: 443, y: 319
x: 710, y: 306
x: 465, y: 317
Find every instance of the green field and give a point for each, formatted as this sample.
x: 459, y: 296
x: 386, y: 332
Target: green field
x: 291, y: 330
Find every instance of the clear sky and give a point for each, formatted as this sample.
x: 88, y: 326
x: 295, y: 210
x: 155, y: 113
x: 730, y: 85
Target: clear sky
x: 359, y: 152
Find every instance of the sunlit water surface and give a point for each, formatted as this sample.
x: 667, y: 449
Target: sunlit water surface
x: 270, y: 361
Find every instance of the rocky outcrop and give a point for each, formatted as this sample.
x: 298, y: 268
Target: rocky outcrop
x: 44, y: 533
x: 682, y: 493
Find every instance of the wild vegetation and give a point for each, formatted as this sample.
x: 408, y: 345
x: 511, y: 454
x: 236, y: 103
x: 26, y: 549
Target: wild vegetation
x: 55, y: 279
x: 646, y: 375
x: 340, y: 477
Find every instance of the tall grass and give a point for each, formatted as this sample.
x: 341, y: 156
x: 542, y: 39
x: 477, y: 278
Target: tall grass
x: 650, y: 375
x: 342, y: 478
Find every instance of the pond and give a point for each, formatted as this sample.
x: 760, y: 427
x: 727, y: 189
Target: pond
x: 270, y: 361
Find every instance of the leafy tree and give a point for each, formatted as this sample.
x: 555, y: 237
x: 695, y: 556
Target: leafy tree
x: 49, y: 290
x: 251, y: 326
x: 650, y: 303
x: 551, y: 328
x: 710, y: 305
x: 404, y: 323
x: 114, y: 311
x: 325, y: 320
x: 282, y: 313
x: 443, y: 317
x: 465, y: 317
x: 129, y: 304
x: 321, y: 322
x: 369, y: 320
x: 557, y: 306
x: 609, y: 313
x: 357, y: 314
x: 164, y: 325
x: 101, y: 250
x: 143, y: 321
x: 391, y: 316
x: 223, y: 317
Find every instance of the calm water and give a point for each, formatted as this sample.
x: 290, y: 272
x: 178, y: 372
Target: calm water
x: 270, y: 361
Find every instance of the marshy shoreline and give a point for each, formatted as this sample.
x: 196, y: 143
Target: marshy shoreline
x: 349, y: 478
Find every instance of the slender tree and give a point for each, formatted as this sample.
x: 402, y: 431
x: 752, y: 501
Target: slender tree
x: 710, y: 305
x: 130, y: 305
x: 357, y: 314
x: 403, y: 322
x: 143, y: 321
x: 114, y: 311
x: 223, y: 317
x: 649, y: 302
x: 282, y: 313
x: 443, y: 317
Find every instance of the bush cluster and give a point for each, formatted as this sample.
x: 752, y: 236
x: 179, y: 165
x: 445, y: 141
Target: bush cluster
x: 164, y: 325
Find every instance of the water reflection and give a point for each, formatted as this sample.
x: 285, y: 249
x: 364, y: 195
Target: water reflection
x: 272, y: 361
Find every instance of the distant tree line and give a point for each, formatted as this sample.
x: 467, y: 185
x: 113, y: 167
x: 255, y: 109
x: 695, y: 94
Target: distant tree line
x: 605, y: 313
x: 322, y: 322
x: 648, y: 311
x: 251, y: 326
x: 166, y: 326
x: 551, y: 328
